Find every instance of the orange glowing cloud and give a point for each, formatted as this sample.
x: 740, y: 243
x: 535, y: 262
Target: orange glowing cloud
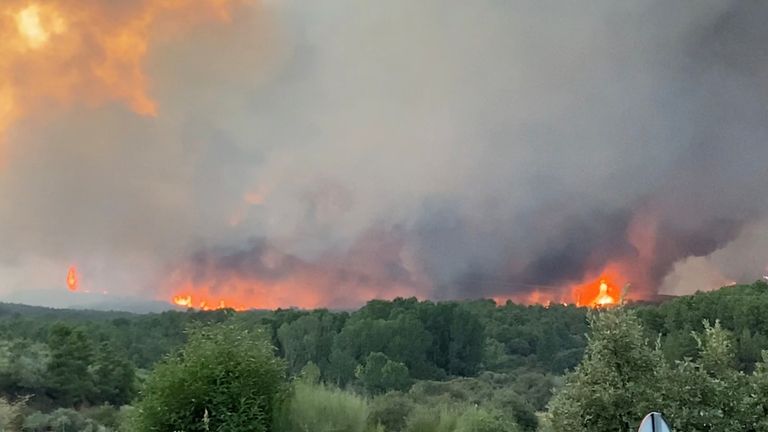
x: 90, y: 52
x: 263, y: 277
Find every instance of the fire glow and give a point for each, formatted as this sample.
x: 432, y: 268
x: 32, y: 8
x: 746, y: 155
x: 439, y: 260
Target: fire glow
x: 187, y: 301
x: 602, y: 291
x: 88, y: 52
x: 72, y: 279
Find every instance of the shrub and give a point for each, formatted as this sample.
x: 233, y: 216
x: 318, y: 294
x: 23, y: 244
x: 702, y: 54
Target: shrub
x: 434, y: 419
x: 478, y: 420
x: 105, y: 415
x: 63, y: 420
x: 390, y: 411
x: 317, y: 408
x: 10, y: 414
x: 224, y: 379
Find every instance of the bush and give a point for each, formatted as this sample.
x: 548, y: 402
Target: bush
x: 10, y: 414
x: 224, y: 379
x: 435, y: 419
x: 390, y: 411
x: 61, y: 420
x: 478, y: 420
x: 36, y: 422
x: 105, y: 415
x: 317, y: 408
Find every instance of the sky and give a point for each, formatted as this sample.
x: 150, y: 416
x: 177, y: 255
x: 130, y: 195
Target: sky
x: 319, y: 154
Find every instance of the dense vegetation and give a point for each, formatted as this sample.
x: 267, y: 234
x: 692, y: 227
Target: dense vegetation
x: 401, y: 365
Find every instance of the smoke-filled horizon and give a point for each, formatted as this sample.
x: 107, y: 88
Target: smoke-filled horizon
x: 290, y: 152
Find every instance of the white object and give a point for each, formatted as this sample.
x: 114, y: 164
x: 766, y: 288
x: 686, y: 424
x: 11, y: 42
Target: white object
x: 653, y: 423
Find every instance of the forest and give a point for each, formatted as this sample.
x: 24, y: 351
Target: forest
x: 390, y: 366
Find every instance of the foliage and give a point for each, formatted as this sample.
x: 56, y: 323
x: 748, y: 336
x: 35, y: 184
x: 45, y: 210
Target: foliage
x: 621, y: 378
x: 477, y: 420
x: 708, y: 394
x: 432, y: 419
x: 11, y: 414
x: 614, y: 385
x: 390, y: 411
x: 224, y: 379
x: 506, y: 360
x: 317, y: 408
x: 114, y: 376
x: 380, y: 374
x: 62, y: 420
x: 68, y: 374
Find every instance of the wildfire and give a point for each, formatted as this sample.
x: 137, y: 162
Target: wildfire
x: 90, y: 52
x: 603, y: 292
x: 72, y: 279
x: 186, y: 301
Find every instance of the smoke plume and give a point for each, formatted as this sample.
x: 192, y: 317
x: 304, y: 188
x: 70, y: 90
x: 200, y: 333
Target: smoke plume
x: 303, y: 153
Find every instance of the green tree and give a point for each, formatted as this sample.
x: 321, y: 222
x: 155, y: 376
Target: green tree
x: 68, y: 371
x: 380, y: 374
x: 114, y: 376
x: 308, y: 339
x: 224, y: 379
x: 710, y: 394
x: 756, y: 401
x: 614, y: 386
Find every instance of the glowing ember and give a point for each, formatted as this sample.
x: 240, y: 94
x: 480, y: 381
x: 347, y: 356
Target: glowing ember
x: 72, y: 279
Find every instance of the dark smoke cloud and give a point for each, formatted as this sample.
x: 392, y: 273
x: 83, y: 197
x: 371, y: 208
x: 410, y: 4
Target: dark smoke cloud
x: 493, y: 147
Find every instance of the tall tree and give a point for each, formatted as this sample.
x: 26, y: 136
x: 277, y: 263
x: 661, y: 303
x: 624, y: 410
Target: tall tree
x: 114, y: 376
x: 616, y: 382
x: 69, y: 377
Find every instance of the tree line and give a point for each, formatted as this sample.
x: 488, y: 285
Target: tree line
x: 403, y: 363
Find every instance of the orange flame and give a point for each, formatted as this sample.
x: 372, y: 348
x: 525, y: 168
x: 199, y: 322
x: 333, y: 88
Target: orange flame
x: 90, y: 52
x: 306, y: 289
x: 72, y: 279
x: 601, y: 292
x: 187, y: 301
x: 182, y: 301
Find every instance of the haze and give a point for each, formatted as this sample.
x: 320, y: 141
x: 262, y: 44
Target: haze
x: 300, y: 153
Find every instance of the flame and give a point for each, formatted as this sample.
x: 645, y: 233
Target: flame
x: 182, y: 300
x: 60, y: 53
x: 187, y: 301
x: 264, y: 276
x: 72, y: 279
x: 307, y: 288
x: 601, y: 292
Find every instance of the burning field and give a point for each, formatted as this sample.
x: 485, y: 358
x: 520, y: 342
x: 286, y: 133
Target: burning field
x: 263, y: 154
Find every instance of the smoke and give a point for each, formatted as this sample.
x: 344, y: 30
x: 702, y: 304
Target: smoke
x: 445, y: 149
